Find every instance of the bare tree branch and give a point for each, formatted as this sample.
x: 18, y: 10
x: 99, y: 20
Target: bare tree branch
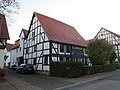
x: 8, y: 8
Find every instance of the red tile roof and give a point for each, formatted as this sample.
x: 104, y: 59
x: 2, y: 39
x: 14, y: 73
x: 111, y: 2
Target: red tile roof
x: 3, y: 28
x: 9, y: 46
x: 16, y: 45
x: 60, y: 32
x: 88, y: 41
x: 25, y: 32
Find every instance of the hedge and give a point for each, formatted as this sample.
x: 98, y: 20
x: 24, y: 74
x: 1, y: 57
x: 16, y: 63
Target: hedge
x: 3, y: 72
x: 75, y: 69
x: 66, y: 69
x: 98, y: 69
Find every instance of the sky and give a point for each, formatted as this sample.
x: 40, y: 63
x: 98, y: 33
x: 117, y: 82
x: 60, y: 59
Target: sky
x: 86, y: 16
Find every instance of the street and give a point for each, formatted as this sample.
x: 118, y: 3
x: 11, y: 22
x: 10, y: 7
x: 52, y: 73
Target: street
x: 109, y: 83
x: 36, y: 80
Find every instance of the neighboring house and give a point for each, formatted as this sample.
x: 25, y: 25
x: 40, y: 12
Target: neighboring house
x: 51, y: 40
x: 7, y: 54
x: 4, y: 36
x: 17, y: 49
x: 88, y: 41
x: 14, y: 52
x: 112, y: 38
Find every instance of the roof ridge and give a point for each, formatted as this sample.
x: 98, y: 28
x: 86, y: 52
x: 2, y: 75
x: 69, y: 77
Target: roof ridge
x: 54, y: 19
x: 110, y: 31
x: 59, y: 31
x: 10, y: 43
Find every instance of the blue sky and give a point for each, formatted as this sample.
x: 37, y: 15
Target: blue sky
x: 86, y: 16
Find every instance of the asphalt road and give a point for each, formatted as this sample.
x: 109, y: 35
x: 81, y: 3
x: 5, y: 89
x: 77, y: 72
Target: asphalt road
x: 36, y: 80
x: 109, y: 83
x: 40, y: 82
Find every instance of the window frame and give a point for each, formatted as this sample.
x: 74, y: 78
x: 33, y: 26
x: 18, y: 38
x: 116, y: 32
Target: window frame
x: 45, y: 60
x: 62, y: 48
x: 33, y: 36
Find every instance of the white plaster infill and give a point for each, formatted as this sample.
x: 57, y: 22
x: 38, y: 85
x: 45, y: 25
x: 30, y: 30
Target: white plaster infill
x: 1, y: 58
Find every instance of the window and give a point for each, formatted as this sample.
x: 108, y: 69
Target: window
x: 39, y: 30
x: 16, y: 50
x: 34, y: 61
x: 61, y: 59
x: 68, y: 49
x: 27, y: 50
x: 20, y: 49
x: 46, y: 60
x: 35, y: 48
x: 61, y: 48
x: 86, y: 61
x: 33, y: 35
x: 26, y: 61
x: 67, y: 58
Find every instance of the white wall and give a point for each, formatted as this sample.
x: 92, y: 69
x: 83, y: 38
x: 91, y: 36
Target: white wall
x: 1, y: 58
x: 2, y: 41
x: 20, y: 54
x: 44, y: 45
x: 14, y: 54
x: 7, y: 53
x: 13, y: 58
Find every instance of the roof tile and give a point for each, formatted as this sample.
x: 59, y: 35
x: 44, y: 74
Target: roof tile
x: 16, y: 45
x: 9, y: 46
x: 60, y: 32
x: 3, y: 28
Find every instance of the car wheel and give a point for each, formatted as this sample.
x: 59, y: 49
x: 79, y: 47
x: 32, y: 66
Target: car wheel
x: 22, y: 72
x: 16, y: 71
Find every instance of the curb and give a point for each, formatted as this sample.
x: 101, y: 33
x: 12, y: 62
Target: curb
x: 82, y: 83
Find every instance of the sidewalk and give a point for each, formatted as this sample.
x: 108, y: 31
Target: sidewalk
x: 13, y: 83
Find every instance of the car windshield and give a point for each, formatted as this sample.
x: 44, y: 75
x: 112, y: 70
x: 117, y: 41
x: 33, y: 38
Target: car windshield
x: 29, y: 66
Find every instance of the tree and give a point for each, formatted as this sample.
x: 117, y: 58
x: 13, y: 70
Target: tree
x: 99, y: 51
x: 8, y: 8
x: 113, y: 57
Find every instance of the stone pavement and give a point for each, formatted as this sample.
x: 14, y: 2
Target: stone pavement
x: 13, y: 83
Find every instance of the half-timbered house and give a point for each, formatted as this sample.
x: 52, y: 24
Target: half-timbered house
x: 51, y: 40
x: 4, y: 36
x: 17, y: 49
x: 111, y: 37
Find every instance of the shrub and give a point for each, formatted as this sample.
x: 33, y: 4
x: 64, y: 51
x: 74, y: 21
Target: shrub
x: 3, y: 72
x: 117, y: 65
x: 75, y: 69
x: 66, y: 69
x: 100, y: 51
x: 98, y: 69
